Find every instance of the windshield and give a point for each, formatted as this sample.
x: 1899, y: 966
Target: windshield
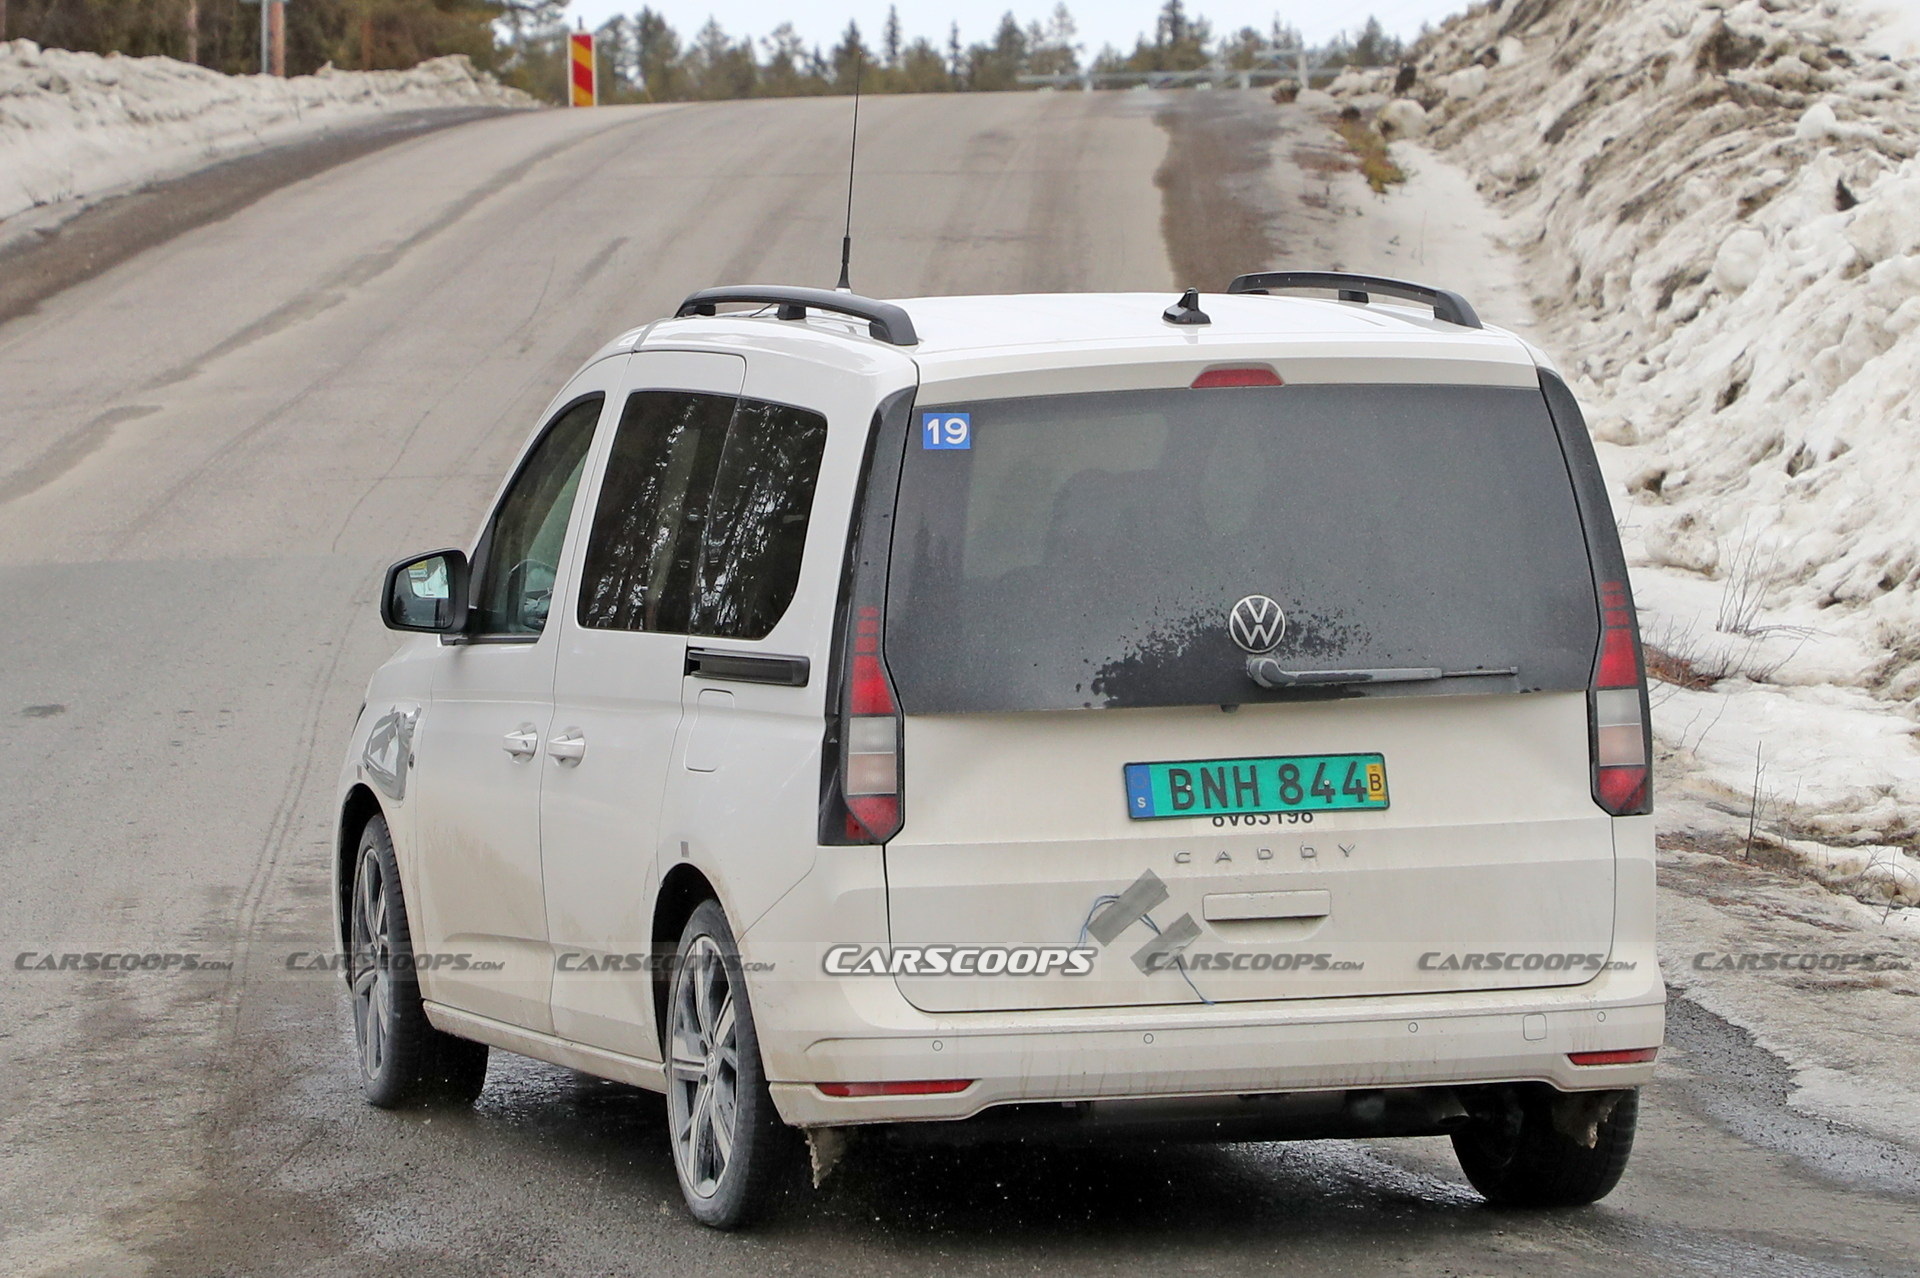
x: 1085, y: 550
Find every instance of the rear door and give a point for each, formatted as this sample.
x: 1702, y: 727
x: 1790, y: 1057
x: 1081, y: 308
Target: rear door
x: 743, y: 798
x: 1087, y: 760
x: 621, y: 659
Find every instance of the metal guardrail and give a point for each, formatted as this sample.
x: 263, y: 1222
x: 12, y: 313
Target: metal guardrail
x: 1300, y: 66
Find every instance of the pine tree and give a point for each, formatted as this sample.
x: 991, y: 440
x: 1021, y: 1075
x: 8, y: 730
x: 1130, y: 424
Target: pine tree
x: 1374, y: 48
x: 999, y: 65
x: 1171, y: 29
x: 890, y: 39
x: 849, y: 57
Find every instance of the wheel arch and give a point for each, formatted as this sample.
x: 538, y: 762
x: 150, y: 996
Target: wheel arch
x: 360, y: 806
x: 682, y: 891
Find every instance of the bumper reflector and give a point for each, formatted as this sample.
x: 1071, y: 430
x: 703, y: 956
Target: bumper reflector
x: 1621, y: 1056
x: 936, y: 1087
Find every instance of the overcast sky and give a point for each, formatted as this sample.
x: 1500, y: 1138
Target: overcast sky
x: 1101, y: 22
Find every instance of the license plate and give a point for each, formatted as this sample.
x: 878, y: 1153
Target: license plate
x: 1289, y: 783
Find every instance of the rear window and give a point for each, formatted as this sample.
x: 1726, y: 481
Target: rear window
x: 1086, y: 550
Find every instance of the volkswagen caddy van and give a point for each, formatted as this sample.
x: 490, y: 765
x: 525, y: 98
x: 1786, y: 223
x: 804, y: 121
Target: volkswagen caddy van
x: 1040, y: 717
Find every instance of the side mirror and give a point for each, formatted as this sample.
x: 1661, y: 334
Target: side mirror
x: 427, y: 593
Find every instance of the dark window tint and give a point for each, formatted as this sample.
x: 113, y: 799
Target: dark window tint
x: 520, y: 554
x: 762, y: 499
x: 1086, y: 549
x: 652, y: 513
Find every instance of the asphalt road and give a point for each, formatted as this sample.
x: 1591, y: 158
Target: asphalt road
x: 207, y: 453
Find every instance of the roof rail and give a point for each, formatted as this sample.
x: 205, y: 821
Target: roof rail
x: 1448, y: 307
x: 887, y: 322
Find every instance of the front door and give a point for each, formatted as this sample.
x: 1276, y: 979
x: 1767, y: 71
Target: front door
x: 479, y: 909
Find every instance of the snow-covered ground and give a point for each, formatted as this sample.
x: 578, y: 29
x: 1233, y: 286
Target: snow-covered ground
x: 77, y: 126
x: 1716, y: 210
x: 1709, y: 214
x: 1896, y: 25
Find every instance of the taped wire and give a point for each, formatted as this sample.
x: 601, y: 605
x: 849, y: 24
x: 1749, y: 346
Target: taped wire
x: 1179, y: 964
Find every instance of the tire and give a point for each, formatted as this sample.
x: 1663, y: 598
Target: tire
x: 1522, y: 1158
x: 402, y: 1059
x: 730, y: 1148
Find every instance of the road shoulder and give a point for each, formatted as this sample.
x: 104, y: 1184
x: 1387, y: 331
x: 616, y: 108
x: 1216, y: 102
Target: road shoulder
x: 56, y: 247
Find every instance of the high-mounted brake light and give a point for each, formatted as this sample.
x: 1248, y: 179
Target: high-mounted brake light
x: 933, y: 1087
x: 1621, y: 1056
x: 870, y: 770
x: 1622, y: 742
x: 1216, y: 378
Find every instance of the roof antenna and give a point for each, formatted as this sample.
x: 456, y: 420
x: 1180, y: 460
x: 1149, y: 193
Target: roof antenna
x: 853, y: 149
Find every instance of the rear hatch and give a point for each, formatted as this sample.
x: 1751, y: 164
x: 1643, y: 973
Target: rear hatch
x: 1087, y: 760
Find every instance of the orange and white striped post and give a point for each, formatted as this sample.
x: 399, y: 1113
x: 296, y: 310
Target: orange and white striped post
x: 580, y: 68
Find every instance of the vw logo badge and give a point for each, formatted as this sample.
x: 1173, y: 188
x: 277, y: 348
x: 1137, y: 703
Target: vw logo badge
x: 1257, y: 624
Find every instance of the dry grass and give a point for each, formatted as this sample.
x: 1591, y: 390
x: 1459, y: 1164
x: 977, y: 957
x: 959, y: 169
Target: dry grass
x: 1370, y: 149
x: 1678, y: 668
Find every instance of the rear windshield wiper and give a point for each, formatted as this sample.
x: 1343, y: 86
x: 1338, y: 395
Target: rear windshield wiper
x: 1268, y: 673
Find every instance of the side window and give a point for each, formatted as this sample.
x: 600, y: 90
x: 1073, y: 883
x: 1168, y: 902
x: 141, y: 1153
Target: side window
x: 520, y: 554
x: 648, y: 526
x: 762, y: 498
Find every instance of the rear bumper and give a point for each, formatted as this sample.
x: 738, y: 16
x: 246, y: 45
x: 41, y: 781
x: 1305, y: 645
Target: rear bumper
x: 1304, y: 1046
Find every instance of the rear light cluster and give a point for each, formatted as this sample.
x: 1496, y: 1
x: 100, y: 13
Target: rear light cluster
x: 870, y: 765
x: 1622, y: 741
x: 932, y: 1087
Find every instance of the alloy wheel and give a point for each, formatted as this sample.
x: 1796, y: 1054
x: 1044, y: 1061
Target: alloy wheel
x: 372, y: 965
x: 704, y: 1068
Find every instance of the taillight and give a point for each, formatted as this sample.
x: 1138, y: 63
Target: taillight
x: 1617, y: 706
x: 870, y: 751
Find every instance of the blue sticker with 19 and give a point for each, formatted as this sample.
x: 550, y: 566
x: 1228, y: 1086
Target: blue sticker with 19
x: 946, y: 430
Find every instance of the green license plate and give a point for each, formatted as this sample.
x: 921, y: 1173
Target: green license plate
x: 1290, y: 783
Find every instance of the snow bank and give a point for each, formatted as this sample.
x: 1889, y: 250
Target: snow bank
x: 74, y: 126
x: 1897, y: 26
x: 1718, y: 206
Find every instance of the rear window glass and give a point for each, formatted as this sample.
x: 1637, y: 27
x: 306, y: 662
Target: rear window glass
x: 1086, y: 550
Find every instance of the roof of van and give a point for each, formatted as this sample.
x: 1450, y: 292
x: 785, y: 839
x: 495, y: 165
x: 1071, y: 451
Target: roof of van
x: 964, y: 336
x: 953, y: 324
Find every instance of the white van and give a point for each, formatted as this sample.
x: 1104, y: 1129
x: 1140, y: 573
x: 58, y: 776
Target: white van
x: 1048, y: 716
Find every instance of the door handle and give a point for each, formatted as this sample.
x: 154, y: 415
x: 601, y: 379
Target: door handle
x: 521, y: 743
x: 568, y: 747
x: 1265, y: 907
x: 748, y: 667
